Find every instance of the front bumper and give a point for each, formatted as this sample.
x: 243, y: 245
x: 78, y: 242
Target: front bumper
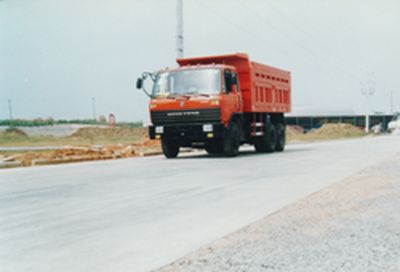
x: 192, y: 132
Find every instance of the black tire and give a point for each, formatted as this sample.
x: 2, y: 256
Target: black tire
x: 170, y: 148
x: 281, y: 137
x: 214, y: 148
x: 231, y: 142
x: 267, y: 143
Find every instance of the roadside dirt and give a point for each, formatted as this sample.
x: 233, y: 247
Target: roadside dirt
x: 80, y: 153
x: 94, y: 143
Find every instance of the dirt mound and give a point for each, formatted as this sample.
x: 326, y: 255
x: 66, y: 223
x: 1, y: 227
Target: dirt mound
x: 337, y: 130
x: 147, y: 142
x: 13, y: 131
x: 294, y: 130
x: 90, y: 132
x: 325, y: 132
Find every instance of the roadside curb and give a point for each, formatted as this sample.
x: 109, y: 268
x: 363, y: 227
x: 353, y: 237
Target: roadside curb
x: 151, y: 153
x: 12, y: 164
x: 41, y: 162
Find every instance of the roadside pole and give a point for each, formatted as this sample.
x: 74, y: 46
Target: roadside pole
x: 94, y: 108
x: 367, y: 123
x: 10, y: 113
x: 367, y: 90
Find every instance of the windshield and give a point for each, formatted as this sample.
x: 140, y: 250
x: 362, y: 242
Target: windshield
x: 193, y: 81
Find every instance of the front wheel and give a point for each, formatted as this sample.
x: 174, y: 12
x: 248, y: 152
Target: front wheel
x: 232, y: 141
x: 214, y: 148
x: 170, y: 148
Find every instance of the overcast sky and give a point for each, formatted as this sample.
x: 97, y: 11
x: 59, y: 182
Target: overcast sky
x: 56, y: 55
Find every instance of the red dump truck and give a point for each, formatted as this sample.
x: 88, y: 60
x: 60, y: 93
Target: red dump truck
x: 218, y: 103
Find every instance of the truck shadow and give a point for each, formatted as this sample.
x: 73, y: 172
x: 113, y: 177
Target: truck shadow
x: 244, y: 153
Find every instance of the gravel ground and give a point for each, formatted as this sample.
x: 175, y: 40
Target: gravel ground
x: 353, y: 225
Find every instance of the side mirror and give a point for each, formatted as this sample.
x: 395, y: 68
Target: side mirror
x: 139, y: 83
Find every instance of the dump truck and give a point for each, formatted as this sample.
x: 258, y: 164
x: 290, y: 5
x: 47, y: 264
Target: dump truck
x: 218, y: 103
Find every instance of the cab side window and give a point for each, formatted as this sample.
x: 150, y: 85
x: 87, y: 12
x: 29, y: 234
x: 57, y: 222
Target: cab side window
x: 235, y: 81
x: 230, y: 79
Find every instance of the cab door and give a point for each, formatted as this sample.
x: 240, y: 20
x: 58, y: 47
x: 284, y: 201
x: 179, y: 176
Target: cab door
x: 231, y: 101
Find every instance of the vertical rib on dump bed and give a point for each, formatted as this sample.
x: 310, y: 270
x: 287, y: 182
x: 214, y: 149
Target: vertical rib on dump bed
x: 264, y: 88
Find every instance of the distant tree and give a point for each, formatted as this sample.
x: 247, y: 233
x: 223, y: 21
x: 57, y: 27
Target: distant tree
x: 102, y: 119
x: 49, y: 121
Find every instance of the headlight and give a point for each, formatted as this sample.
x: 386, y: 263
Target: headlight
x: 214, y: 102
x: 159, y: 130
x: 152, y: 105
x: 207, y: 128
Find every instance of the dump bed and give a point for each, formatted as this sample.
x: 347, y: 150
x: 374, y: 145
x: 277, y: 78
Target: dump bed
x: 264, y: 88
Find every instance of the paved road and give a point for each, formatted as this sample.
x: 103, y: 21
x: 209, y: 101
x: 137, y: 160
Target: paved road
x: 138, y: 214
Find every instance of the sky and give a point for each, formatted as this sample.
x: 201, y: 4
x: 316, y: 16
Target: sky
x: 56, y: 56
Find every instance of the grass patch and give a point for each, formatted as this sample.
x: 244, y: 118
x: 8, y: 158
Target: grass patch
x: 38, y: 122
x: 84, y: 136
x: 129, y: 135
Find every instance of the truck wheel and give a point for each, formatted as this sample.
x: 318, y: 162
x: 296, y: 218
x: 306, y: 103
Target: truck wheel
x: 214, y: 148
x: 170, y: 148
x: 232, y: 141
x: 281, y: 137
x: 268, y: 142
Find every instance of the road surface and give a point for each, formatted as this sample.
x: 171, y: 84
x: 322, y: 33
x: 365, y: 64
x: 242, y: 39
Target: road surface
x: 138, y: 214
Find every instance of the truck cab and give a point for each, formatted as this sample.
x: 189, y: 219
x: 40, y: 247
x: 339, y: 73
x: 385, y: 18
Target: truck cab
x: 192, y: 106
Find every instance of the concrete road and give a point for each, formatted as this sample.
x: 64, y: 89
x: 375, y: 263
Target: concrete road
x: 139, y: 214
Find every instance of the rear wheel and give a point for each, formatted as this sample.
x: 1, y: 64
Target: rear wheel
x: 170, y: 148
x: 267, y: 143
x: 281, y: 137
x: 231, y: 142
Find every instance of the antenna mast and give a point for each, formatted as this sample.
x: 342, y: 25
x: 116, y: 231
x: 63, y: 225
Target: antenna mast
x: 179, y: 29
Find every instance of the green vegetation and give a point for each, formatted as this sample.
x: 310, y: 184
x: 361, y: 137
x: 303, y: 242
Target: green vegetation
x: 128, y: 135
x: 50, y: 122
x: 83, y: 136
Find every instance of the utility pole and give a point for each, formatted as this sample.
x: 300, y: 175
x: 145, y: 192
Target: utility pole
x: 94, y: 108
x: 367, y: 90
x: 179, y: 29
x: 10, y: 113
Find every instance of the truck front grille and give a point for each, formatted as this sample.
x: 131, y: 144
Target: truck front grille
x: 185, y: 116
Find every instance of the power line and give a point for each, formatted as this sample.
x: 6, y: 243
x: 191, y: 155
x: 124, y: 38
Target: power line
x: 289, y: 21
x: 321, y: 59
x: 257, y: 36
